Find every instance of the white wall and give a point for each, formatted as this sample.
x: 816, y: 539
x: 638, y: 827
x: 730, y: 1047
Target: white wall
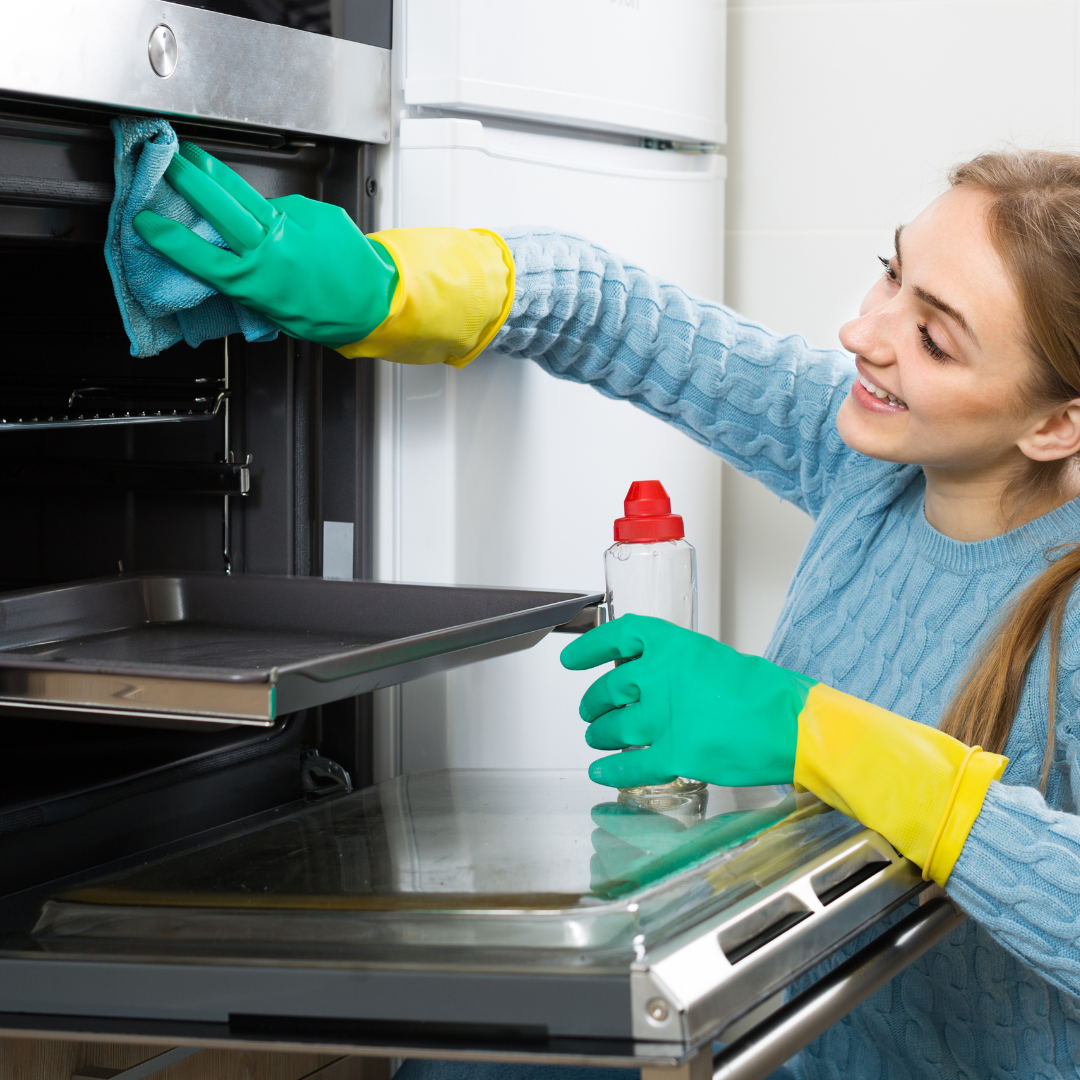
x: 844, y: 117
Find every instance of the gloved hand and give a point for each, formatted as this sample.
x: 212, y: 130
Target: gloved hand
x: 411, y: 295
x: 705, y: 711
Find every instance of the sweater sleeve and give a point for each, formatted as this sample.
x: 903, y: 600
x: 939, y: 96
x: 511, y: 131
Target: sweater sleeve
x: 1019, y: 875
x: 766, y: 404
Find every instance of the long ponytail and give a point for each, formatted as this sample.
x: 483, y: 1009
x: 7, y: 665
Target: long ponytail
x: 1034, y: 222
x: 984, y: 707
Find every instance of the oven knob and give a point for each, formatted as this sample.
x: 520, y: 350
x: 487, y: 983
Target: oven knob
x: 162, y: 49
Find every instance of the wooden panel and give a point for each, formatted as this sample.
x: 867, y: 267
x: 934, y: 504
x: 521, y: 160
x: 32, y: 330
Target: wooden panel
x: 354, y: 1068
x: 38, y: 1059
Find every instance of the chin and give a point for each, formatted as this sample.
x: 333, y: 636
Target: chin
x: 862, y: 433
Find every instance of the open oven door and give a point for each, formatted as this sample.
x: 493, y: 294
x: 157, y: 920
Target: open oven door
x: 507, y: 913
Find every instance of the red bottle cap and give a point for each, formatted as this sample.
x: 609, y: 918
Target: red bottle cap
x: 648, y: 515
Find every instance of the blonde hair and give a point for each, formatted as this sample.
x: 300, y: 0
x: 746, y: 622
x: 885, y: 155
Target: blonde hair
x: 1034, y: 223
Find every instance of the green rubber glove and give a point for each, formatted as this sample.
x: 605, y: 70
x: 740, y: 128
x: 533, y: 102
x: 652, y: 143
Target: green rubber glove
x: 700, y: 709
x: 301, y: 264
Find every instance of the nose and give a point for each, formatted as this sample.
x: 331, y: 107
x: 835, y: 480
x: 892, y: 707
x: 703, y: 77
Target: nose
x: 872, y: 336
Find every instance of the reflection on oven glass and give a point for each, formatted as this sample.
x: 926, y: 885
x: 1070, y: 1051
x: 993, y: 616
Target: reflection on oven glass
x: 470, y: 858
x: 310, y: 15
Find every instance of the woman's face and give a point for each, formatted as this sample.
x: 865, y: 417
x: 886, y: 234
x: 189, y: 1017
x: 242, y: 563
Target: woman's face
x: 939, y: 344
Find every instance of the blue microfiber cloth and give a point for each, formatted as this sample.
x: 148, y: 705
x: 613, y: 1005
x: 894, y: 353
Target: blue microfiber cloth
x: 161, y: 303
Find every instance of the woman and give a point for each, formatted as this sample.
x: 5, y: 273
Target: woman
x: 925, y: 672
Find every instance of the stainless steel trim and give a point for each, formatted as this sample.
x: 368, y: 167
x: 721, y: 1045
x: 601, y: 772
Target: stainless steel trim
x: 167, y: 720
x: 168, y: 1033
x: 800, y: 1021
x: 228, y: 69
x: 705, y: 990
x: 139, y: 695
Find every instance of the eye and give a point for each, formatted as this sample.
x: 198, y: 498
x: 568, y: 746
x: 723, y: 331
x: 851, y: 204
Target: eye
x: 890, y: 271
x: 931, y: 346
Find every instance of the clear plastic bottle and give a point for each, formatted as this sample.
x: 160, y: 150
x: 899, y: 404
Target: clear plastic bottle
x: 653, y: 579
x: 651, y: 569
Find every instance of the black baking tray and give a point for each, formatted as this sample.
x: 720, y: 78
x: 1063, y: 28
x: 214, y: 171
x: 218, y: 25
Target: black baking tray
x: 176, y: 650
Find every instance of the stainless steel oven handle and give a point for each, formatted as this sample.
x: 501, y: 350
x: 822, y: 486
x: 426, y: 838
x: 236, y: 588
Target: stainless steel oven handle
x: 798, y: 1022
x: 718, y: 971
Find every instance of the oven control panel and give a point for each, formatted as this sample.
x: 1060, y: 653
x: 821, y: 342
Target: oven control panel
x: 181, y: 60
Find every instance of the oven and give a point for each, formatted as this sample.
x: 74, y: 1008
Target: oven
x: 194, y: 850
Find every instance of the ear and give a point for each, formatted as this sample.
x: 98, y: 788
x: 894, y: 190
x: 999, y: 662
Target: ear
x: 1055, y: 436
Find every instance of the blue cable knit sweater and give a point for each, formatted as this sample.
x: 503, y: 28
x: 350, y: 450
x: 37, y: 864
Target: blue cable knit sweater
x: 882, y: 606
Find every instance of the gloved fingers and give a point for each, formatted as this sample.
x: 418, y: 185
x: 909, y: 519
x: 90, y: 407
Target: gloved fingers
x: 619, y: 728
x: 233, y: 183
x: 619, y: 639
x: 632, y: 768
x: 197, y: 256
x: 239, y: 229
x: 612, y: 689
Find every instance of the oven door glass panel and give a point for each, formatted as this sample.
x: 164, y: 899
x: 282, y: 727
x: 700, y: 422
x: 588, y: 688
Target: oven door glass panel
x: 465, y: 867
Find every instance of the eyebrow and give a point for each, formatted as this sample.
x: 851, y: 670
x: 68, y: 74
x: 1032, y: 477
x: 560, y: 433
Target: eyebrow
x: 931, y: 299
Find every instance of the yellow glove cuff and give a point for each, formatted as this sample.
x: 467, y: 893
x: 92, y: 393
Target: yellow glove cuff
x: 455, y: 289
x: 921, y: 789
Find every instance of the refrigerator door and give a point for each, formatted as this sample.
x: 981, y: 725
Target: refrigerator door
x: 649, y: 67
x: 501, y: 474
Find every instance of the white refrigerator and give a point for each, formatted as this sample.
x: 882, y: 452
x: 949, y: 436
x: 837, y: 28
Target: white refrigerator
x: 499, y: 474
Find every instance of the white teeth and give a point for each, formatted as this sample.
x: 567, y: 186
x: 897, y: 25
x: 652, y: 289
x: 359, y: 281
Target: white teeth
x: 882, y: 395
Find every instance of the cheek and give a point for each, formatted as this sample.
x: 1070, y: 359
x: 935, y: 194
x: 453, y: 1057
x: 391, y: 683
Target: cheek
x: 950, y: 400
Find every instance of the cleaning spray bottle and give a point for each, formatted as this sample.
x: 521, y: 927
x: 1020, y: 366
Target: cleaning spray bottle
x: 651, y: 569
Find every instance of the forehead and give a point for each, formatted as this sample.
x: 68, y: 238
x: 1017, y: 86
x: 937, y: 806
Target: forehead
x: 954, y: 222
x: 947, y: 250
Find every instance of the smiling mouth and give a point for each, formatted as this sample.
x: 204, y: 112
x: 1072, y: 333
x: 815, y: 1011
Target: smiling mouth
x: 882, y: 395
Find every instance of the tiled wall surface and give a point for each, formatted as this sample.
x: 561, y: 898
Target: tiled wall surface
x: 844, y: 119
